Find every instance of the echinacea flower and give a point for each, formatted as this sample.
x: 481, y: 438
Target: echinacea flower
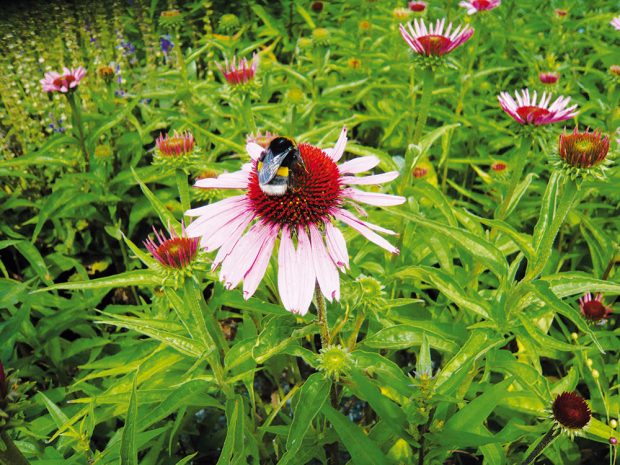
x: 65, y: 82
x: 583, y: 149
x: 433, y: 40
x: 175, y: 252
x: 549, y: 77
x: 304, y: 215
x: 593, y: 309
x: 529, y: 110
x: 181, y: 143
x: 417, y: 7
x: 616, y: 23
x: 106, y: 73
x: 475, y: 6
x: 615, y: 70
x: 242, y: 73
x: 499, y: 166
x: 175, y: 151
x: 571, y: 412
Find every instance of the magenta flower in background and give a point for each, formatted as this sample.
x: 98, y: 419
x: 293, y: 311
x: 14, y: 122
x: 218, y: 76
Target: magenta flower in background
x: 529, y: 110
x: 434, y: 41
x: 175, y: 251
x: 593, y: 309
x: 240, y: 73
x: 417, y: 7
x: 304, y: 215
x: 616, y: 22
x: 474, y: 6
x: 549, y: 77
x: 177, y: 145
x: 69, y: 80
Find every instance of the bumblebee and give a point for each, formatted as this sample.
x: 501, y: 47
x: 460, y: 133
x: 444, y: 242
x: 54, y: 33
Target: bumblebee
x: 277, y: 166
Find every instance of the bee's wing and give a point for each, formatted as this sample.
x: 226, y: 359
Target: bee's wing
x: 271, y: 163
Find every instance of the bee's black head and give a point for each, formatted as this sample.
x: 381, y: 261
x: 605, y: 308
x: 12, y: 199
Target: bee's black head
x: 281, y: 144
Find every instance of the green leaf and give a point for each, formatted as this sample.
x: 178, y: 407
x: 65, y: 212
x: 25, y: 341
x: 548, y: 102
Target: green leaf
x: 362, y: 449
x: 233, y: 445
x: 449, y: 287
x: 406, y: 336
x: 128, y: 278
x: 480, y: 249
x: 129, y: 451
x: 168, y: 220
x: 572, y: 283
x: 544, y: 293
x: 312, y: 396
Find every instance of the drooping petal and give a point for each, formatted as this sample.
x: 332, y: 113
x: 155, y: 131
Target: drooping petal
x: 307, y: 277
x: 358, y: 165
x: 287, y: 274
x: 253, y: 277
x: 364, y: 230
x: 325, y: 270
x: 373, y: 198
x: 216, y: 207
x: 336, y: 245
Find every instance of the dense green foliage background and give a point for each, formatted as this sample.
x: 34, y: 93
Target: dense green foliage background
x: 456, y: 348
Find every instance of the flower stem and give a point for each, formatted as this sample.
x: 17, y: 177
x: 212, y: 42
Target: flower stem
x: 76, y: 112
x: 322, y: 314
x: 10, y: 454
x: 428, y: 84
x: 517, y: 165
x: 181, y: 178
x: 248, y: 115
x: 542, y: 445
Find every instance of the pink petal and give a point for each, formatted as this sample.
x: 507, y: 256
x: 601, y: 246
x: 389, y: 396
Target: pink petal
x: 253, y: 277
x: 306, y: 281
x: 287, y: 273
x: 338, y: 150
x: 358, y: 165
x: 326, y: 272
x: 235, y: 180
x: 369, y: 180
x: 254, y: 150
x: 336, y: 245
x: 233, y: 236
x: 214, y: 208
x: 364, y: 230
x: 372, y: 198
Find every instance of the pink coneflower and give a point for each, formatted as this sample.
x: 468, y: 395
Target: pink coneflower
x: 242, y: 73
x: 583, y: 149
x: 474, y: 6
x: 433, y: 41
x: 69, y: 80
x: 549, y: 77
x: 177, y: 145
x: 616, y: 23
x: 592, y: 308
x: 417, y: 7
x: 528, y: 110
x: 560, y: 13
x: 174, y: 252
x: 304, y: 214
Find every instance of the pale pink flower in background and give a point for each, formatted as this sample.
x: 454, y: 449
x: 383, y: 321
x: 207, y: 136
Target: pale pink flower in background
x: 306, y: 215
x: 474, y: 6
x: 616, y: 22
x: 529, y: 110
x: 433, y: 40
x: 549, y: 77
x: 68, y: 80
x: 240, y: 73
